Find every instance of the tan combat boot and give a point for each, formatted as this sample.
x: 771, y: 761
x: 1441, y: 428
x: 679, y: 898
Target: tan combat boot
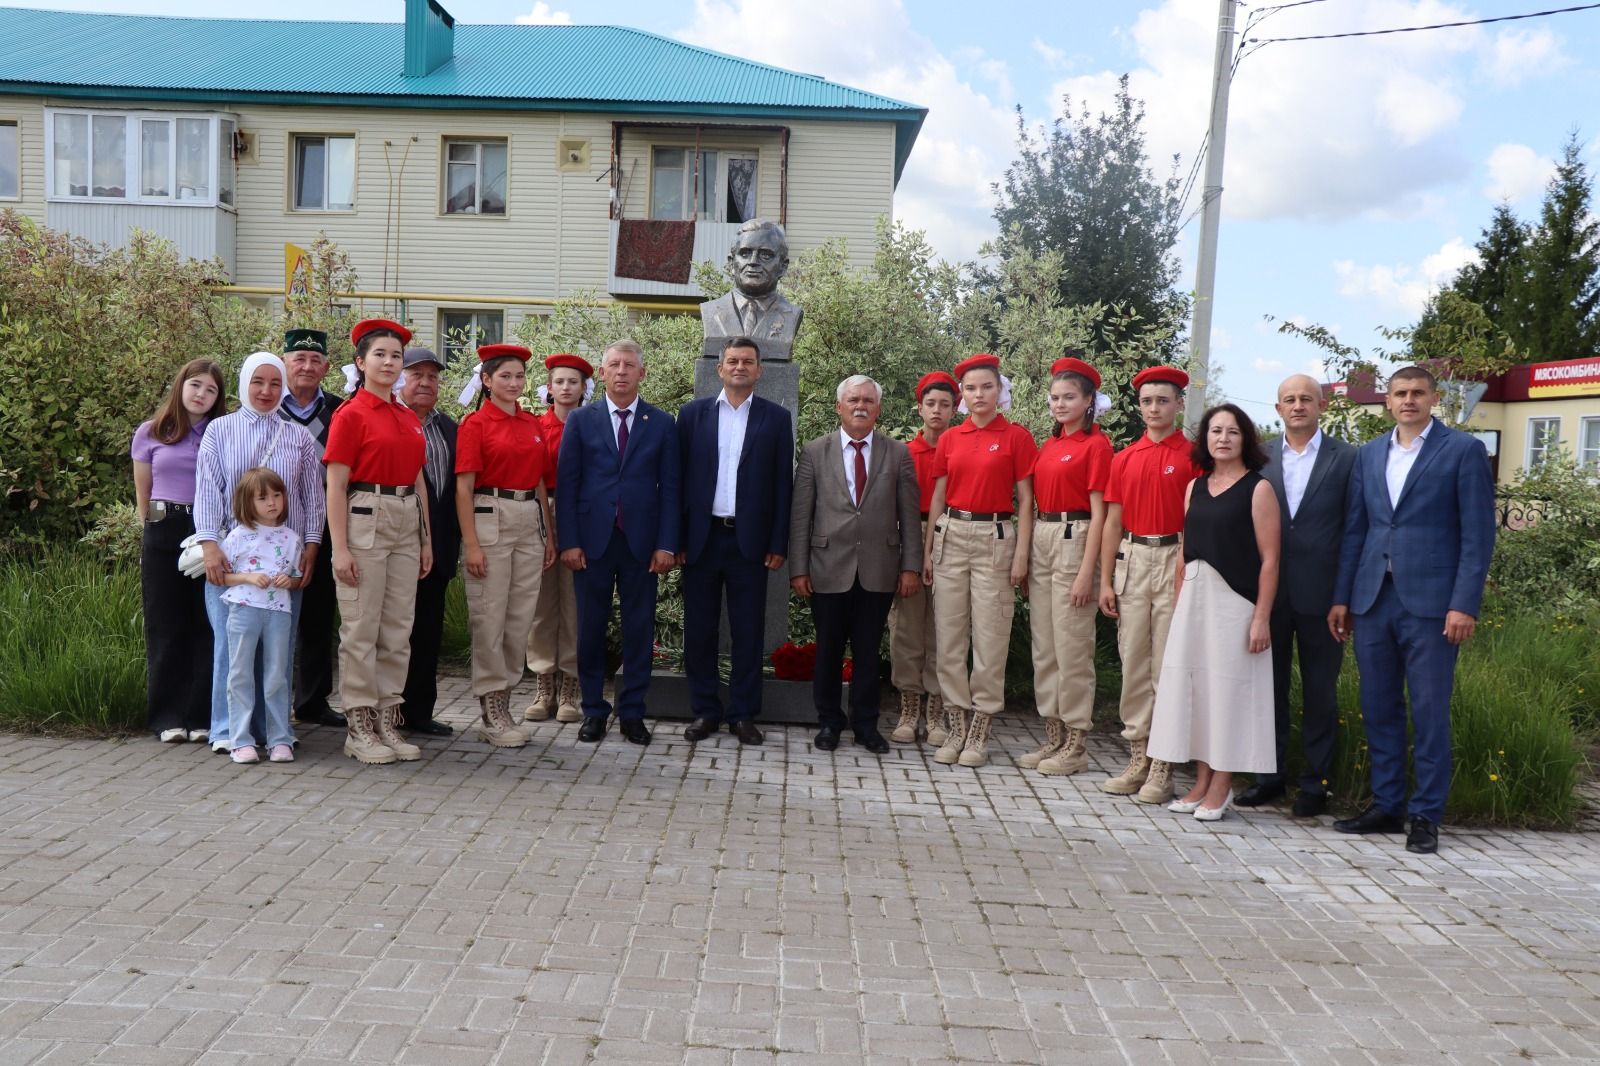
x: 905, y: 730
x: 949, y: 753
x: 496, y: 725
x: 1132, y: 777
x: 571, y: 703
x: 1055, y: 734
x: 1073, y: 756
x: 1158, y: 785
x: 936, y: 724
x: 544, y: 699
x: 361, y: 741
x: 976, y: 751
x: 388, y: 725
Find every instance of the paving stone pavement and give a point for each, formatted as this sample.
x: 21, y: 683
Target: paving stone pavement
x: 774, y: 906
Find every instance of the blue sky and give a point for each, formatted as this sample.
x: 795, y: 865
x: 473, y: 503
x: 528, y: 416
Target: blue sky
x: 1359, y: 172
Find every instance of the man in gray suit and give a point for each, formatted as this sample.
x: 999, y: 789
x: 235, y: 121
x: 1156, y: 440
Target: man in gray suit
x: 1310, y: 472
x: 757, y: 262
x: 854, y: 541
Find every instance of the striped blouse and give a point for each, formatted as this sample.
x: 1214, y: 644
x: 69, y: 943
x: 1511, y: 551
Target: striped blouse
x: 235, y: 443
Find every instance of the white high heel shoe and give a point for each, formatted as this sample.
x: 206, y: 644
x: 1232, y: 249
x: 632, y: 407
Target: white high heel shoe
x: 1183, y: 806
x: 1213, y: 814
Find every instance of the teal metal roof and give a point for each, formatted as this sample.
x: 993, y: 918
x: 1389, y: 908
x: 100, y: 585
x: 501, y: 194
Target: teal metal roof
x: 361, y: 63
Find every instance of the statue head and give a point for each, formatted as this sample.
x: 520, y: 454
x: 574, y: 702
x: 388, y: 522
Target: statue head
x: 759, y: 257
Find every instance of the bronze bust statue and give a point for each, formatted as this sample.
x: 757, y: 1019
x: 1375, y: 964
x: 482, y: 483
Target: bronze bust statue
x: 755, y: 309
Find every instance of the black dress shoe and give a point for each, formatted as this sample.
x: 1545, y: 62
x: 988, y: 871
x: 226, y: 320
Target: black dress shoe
x: 633, y: 730
x: 700, y: 729
x: 593, y: 729
x: 1308, y: 804
x: 1260, y: 793
x: 1423, y: 839
x: 873, y: 741
x: 746, y: 731
x: 431, y: 728
x: 1372, y: 820
x: 323, y: 715
x: 827, y: 739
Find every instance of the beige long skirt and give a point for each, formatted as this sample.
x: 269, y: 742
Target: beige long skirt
x: 1214, y: 698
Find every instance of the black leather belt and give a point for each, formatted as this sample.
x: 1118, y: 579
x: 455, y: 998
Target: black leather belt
x: 924, y: 516
x: 1064, y: 516
x: 977, y: 516
x: 401, y: 491
x: 521, y: 495
x: 726, y: 521
x: 162, y: 507
x: 1151, y: 542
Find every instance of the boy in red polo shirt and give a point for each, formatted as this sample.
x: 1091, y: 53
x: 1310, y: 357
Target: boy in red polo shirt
x: 914, y: 666
x: 1139, y: 558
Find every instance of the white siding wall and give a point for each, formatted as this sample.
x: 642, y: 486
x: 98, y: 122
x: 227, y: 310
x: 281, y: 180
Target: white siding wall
x: 198, y: 232
x: 28, y: 113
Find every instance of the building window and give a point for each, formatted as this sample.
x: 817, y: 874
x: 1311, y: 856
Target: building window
x: 1589, y: 444
x: 144, y: 157
x: 475, y: 178
x: 10, y: 162
x: 721, y: 189
x: 1544, y: 436
x: 324, y: 173
x: 462, y: 331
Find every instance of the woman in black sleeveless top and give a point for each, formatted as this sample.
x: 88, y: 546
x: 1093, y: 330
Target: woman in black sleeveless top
x: 1214, y: 697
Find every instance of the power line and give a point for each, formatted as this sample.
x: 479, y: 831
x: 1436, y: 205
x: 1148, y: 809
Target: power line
x: 1261, y: 41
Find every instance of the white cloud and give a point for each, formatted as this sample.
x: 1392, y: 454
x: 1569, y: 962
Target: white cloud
x: 1403, y: 287
x: 1516, y: 172
x: 870, y: 44
x: 1052, y: 55
x: 1517, y: 55
x: 1319, y: 130
x: 1266, y: 366
x: 543, y: 15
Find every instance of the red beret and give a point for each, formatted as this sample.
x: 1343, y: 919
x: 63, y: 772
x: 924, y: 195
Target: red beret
x: 973, y: 362
x: 1169, y: 375
x: 1069, y: 365
x: 368, y: 325
x: 571, y: 362
x: 487, y: 352
x: 938, y: 377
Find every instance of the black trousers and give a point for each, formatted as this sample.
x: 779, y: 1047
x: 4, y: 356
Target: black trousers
x: 857, y: 618
x: 177, y: 636
x: 427, y: 631
x: 723, y: 569
x: 1320, y: 659
x: 314, y: 648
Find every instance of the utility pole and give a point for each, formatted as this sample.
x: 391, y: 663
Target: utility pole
x: 1205, y: 281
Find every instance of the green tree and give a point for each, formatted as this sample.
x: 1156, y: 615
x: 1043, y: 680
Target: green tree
x: 1083, y: 188
x: 1497, y: 282
x: 1561, y: 287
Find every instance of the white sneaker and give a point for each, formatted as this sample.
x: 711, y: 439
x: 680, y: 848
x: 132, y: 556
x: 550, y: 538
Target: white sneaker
x: 174, y: 736
x: 199, y: 736
x: 221, y: 747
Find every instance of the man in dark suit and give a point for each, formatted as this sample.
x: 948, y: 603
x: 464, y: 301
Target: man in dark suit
x: 421, y: 394
x: 737, y: 453
x: 852, y: 546
x: 617, y: 528
x: 307, y: 403
x: 1310, y: 472
x: 1419, y: 534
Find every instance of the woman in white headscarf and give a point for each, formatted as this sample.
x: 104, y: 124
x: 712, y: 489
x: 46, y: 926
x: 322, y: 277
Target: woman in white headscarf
x: 254, y: 435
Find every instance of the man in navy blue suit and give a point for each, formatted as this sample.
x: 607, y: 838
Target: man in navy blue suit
x: 617, y: 528
x: 738, y: 461
x: 1419, y: 533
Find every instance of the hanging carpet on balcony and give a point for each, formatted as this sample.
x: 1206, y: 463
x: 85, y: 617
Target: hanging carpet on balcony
x: 655, y: 250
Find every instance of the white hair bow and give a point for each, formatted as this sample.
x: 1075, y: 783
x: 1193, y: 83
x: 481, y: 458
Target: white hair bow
x: 349, y: 372
x: 1003, y: 404
x: 543, y: 391
x: 1102, y: 404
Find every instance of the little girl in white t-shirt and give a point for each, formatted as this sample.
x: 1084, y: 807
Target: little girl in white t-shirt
x: 263, y: 559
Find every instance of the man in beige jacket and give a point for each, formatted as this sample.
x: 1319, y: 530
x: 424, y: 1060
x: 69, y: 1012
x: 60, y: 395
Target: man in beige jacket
x: 854, y: 541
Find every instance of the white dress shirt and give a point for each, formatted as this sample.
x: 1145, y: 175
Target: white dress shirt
x: 1401, y: 460
x: 848, y: 445
x: 616, y: 423
x: 1297, y: 470
x: 731, y: 423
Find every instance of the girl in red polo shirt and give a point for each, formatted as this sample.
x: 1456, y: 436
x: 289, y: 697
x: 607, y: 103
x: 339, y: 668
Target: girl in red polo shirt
x: 976, y: 557
x: 553, y: 644
x: 1069, y: 482
x: 381, y: 542
x: 505, y: 519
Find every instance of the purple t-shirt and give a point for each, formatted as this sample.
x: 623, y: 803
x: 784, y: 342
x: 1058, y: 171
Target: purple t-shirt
x: 171, y: 465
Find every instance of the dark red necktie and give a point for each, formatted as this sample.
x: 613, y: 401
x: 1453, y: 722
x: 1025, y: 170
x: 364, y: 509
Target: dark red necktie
x: 622, y: 451
x: 861, y: 469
